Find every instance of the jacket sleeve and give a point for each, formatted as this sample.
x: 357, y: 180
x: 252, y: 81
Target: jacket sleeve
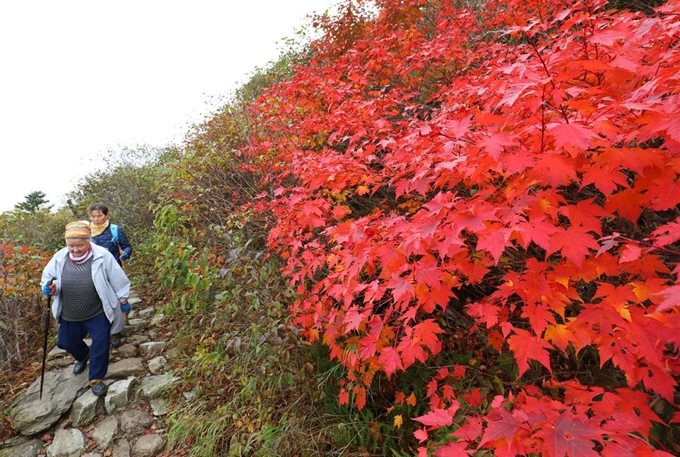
x: 50, y: 273
x: 117, y: 278
x: 123, y: 241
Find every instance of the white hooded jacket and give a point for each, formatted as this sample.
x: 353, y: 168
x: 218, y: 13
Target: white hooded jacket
x: 111, y: 283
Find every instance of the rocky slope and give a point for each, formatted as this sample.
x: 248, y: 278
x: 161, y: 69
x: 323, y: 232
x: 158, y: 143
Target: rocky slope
x: 129, y: 421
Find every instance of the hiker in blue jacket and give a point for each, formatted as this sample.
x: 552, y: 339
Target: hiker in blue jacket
x: 113, y: 238
x: 107, y: 235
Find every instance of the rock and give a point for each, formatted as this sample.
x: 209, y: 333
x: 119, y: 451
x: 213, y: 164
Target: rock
x: 157, y: 364
x: 148, y: 445
x: 159, y: 406
x: 58, y: 363
x: 67, y: 443
x: 157, y: 320
x: 134, y: 300
x: 137, y: 339
x: 126, y: 368
x: 127, y: 351
x: 135, y: 421
x: 121, y: 449
x: 56, y: 352
x: 152, y: 386
x: 118, y: 395
x: 152, y: 348
x: 105, y: 432
x: 134, y: 326
x: 30, y: 415
x: 28, y: 449
x: 85, y: 408
x: 147, y: 312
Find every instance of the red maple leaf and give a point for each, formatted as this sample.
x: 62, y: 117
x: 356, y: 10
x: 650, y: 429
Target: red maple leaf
x: 574, y: 243
x: 427, y: 331
x: 390, y: 360
x: 667, y: 233
x: 570, y: 435
x: 526, y: 346
x: 672, y: 299
x: 494, y: 240
x: 605, y: 178
x: 586, y: 214
x: 537, y: 230
x: 629, y: 253
x: 495, y: 143
x: 627, y: 203
x: 470, y: 431
x: 572, y: 134
x: 634, y: 159
x: 664, y: 195
x: 502, y: 429
x: 554, y: 169
x: 439, y: 417
x: 472, y: 217
x: 453, y: 449
x: 517, y: 162
x: 411, y: 350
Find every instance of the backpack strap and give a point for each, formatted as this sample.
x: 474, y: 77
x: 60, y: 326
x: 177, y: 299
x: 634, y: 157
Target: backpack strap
x: 114, y: 232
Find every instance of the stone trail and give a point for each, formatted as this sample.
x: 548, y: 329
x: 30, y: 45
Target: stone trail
x: 129, y: 421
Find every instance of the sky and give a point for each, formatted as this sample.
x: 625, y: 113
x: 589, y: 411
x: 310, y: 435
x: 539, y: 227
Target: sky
x: 81, y: 77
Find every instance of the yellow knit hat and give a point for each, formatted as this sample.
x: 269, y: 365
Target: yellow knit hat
x: 78, y: 229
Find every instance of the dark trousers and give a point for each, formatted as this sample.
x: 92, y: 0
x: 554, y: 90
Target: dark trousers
x: 72, y: 334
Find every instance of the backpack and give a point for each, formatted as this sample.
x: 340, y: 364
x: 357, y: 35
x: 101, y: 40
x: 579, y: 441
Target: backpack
x: 114, y: 232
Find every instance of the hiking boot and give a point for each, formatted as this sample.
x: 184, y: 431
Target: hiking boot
x: 116, y: 340
x: 79, y: 367
x: 99, y: 388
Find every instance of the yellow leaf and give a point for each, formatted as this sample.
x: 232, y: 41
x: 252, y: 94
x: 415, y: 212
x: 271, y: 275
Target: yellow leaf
x: 625, y: 313
x: 562, y: 280
x: 398, y: 420
x: 560, y: 335
x: 640, y: 290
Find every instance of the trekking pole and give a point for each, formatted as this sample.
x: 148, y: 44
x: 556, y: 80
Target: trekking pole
x: 47, y: 331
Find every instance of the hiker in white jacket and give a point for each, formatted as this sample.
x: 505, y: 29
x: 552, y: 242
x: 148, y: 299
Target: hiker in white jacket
x: 89, y: 288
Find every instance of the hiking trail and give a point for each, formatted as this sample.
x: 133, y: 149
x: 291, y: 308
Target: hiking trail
x: 128, y: 421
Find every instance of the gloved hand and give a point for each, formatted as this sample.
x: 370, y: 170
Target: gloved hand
x: 125, y: 307
x: 48, y: 289
x: 124, y: 256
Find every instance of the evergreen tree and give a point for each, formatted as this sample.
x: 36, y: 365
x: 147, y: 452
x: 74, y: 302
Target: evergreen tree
x: 33, y: 203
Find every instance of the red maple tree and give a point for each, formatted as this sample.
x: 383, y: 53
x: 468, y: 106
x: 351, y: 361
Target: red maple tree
x: 508, y: 173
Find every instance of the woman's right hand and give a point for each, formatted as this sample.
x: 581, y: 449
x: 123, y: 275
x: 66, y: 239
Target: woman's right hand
x: 49, y: 289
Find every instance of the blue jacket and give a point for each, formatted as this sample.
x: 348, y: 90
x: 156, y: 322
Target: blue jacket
x: 105, y: 240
